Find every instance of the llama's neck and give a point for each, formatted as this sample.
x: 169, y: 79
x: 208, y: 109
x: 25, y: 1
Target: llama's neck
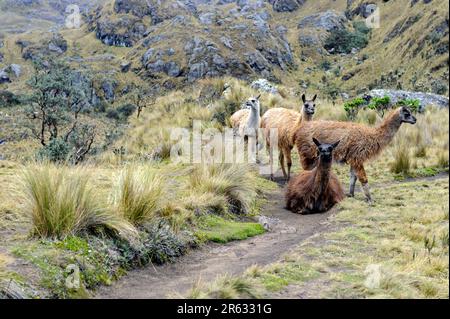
x: 322, y: 176
x: 253, y: 118
x: 385, y: 133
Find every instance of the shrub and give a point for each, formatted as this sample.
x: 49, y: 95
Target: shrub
x: 113, y: 114
x: 352, y: 107
x: 325, y: 65
x: 162, y: 244
x: 57, y: 151
x: 8, y: 98
x: 343, y: 41
x: 61, y: 203
x: 412, y: 104
x: 380, y: 104
x: 139, y: 194
x: 126, y: 110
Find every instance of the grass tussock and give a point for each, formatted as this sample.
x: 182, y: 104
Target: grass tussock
x: 62, y: 202
x: 234, y: 183
x: 140, y: 192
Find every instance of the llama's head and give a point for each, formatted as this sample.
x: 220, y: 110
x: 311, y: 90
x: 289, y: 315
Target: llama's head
x: 309, y: 106
x: 253, y: 103
x: 325, y: 150
x: 406, y: 115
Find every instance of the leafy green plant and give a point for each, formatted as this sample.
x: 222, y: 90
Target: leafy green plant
x: 412, y: 104
x: 352, y: 107
x: 380, y: 104
x: 343, y: 41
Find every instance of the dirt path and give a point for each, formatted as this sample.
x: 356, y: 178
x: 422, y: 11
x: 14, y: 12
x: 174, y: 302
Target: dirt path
x: 214, y: 259
x: 207, y: 263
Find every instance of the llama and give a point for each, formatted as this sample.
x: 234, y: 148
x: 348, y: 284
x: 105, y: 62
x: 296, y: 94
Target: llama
x: 287, y: 122
x: 318, y: 190
x: 359, y: 143
x: 246, y: 122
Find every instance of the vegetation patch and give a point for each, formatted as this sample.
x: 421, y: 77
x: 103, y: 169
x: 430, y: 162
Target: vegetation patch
x: 219, y: 230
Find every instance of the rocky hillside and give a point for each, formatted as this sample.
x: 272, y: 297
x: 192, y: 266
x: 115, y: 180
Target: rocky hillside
x: 316, y: 45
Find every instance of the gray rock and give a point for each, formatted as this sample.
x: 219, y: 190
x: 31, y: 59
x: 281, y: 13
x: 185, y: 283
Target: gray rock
x: 125, y: 66
x: 108, y: 87
x: 424, y: 98
x: 308, y: 40
x: 2, y: 44
x: 327, y: 21
x: 287, y: 5
x: 15, y: 69
x: 1, y: 57
x: 264, y: 86
x: 227, y: 42
x: 207, y: 18
x: 4, y: 77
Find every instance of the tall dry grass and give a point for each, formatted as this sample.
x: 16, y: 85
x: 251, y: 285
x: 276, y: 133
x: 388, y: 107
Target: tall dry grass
x: 139, y: 194
x: 61, y: 202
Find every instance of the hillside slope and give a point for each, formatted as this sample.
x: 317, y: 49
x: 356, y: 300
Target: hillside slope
x: 171, y: 44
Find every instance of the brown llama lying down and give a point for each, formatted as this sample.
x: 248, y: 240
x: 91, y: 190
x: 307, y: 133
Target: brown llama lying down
x: 318, y: 190
x: 287, y: 122
x: 358, y: 143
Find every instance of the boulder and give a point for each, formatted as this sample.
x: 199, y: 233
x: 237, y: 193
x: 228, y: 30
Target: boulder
x: 125, y: 66
x: 287, y: 5
x: 4, y: 77
x: 327, y: 21
x: 264, y: 86
x: 15, y: 69
x: 424, y: 98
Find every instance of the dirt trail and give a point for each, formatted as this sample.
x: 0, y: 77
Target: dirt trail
x: 214, y: 259
x: 233, y: 258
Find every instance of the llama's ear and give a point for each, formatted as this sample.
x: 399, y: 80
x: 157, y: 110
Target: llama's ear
x: 303, y: 97
x: 314, y: 98
x: 316, y: 142
x: 258, y: 97
x: 334, y: 145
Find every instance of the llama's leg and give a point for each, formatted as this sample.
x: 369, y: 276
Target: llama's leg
x: 352, y: 182
x: 270, y: 161
x: 281, y: 158
x: 289, y: 163
x: 362, y: 177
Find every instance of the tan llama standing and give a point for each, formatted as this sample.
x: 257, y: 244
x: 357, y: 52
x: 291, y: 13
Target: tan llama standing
x: 318, y: 190
x: 246, y: 122
x: 287, y: 122
x: 359, y: 143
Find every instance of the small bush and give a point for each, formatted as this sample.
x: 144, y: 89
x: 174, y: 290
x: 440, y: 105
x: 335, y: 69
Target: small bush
x: 343, y: 41
x: 126, y: 110
x: 61, y: 203
x: 139, y: 194
x: 57, y: 151
x: 8, y: 99
x: 352, y: 107
x: 113, y: 114
x: 380, y: 104
x: 412, y: 104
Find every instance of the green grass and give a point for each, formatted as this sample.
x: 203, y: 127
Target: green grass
x: 219, y: 230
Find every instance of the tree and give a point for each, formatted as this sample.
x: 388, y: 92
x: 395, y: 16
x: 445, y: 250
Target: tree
x: 140, y: 98
x: 59, y: 95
